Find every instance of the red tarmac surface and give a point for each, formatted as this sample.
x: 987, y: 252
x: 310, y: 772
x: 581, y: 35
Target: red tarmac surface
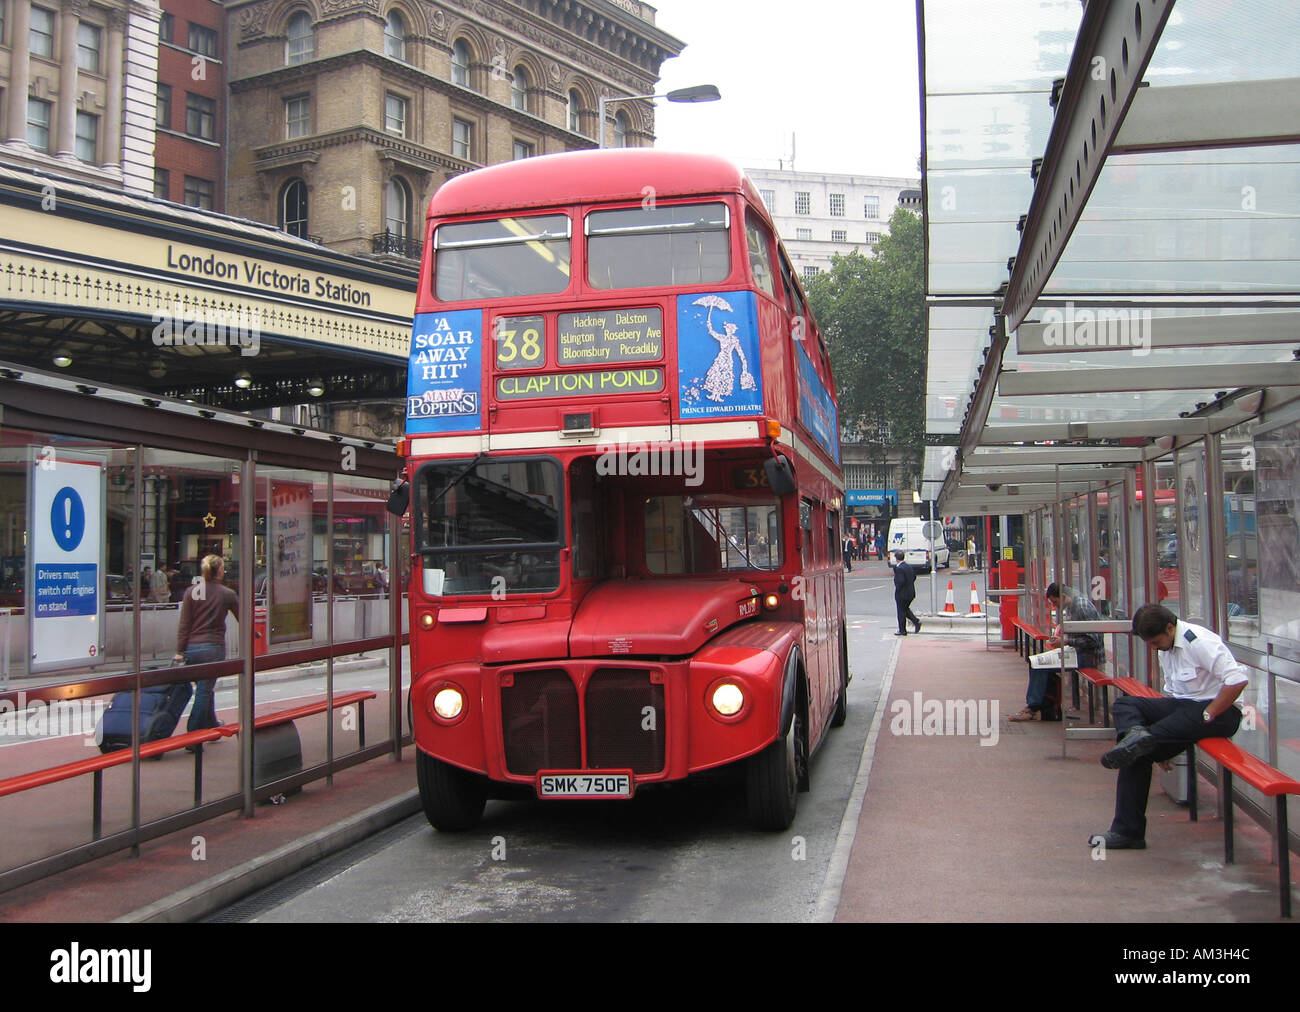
x: 950, y: 830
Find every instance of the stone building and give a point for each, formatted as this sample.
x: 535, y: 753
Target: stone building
x: 346, y: 115
x: 77, y: 81
x: 819, y: 214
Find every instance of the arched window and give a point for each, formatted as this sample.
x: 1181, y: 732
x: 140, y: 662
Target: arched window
x: 575, y: 110
x: 620, y: 129
x: 395, y: 36
x: 293, y: 208
x: 397, y: 208
x: 519, y: 85
x: 299, y: 44
x: 460, y: 58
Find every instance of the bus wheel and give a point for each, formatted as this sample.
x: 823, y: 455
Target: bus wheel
x: 453, y: 798
x: 841, y: 713
x: 772, y: 779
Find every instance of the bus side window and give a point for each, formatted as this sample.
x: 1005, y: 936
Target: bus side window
x: 759, y: 243
x: 795, y: 300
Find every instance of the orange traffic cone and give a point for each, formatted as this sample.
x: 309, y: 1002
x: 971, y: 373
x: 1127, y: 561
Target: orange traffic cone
x: 949, y: 606
x: 974, y: 600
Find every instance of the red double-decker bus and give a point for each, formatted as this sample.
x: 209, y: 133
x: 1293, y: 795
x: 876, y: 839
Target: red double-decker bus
x: 623, y: 464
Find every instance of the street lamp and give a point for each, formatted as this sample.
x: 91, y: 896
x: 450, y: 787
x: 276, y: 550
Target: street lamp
x: 697, y: 93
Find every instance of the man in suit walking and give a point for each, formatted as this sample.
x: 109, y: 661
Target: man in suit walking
x: 904, y: 594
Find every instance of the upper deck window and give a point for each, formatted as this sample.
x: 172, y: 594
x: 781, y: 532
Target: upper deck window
x: 502, y: 257
x: 647, y: 247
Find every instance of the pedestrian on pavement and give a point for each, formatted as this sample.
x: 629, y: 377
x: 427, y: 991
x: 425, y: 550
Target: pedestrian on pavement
x: 848, y: 553
x: 904, y: 594
x: 1202, y: 681
x: 972, y: 553
x: 201, y: 637
x: 160, y: 591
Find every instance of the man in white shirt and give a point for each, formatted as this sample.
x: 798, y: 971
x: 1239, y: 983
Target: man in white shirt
x: 1202, y: 681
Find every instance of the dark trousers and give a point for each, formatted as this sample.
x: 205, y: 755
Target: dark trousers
x: 905, y: 613
x: 1176, y: 723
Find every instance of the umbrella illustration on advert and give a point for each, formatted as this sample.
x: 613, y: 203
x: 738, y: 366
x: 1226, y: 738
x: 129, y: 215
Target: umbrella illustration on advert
x: 720, y: 381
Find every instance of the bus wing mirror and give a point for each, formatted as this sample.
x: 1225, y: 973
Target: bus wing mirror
x: 780, y: 476
x: 399, y: 499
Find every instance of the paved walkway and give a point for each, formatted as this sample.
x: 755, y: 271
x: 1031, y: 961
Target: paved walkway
x: 950, y: 830
x: 953, y: 830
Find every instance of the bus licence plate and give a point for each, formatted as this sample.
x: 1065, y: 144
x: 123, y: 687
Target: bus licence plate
x: 584, y: 785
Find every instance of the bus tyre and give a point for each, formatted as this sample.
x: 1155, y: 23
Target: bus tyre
x: 772, y: 780
x: 453, y: 798
x: 841, y: 713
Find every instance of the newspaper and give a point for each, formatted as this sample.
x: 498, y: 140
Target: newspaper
x: 1052, y: 659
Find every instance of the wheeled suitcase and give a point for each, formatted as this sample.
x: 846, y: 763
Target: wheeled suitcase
x: 161, y: 707
x: 277, y: 753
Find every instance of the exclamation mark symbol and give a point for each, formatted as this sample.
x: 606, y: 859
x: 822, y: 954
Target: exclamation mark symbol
x: 67, y: 517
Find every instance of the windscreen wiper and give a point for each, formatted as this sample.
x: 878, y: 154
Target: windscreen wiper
x: 458, y: 479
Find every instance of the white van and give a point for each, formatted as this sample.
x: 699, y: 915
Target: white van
x: 905, y: 535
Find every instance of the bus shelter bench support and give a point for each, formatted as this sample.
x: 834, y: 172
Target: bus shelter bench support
x: 1235, y: 761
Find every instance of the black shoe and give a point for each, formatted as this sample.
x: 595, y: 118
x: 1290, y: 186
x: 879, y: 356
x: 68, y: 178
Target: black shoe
x: 1136, y: 743
x: 904, y: 633
x: 1114, y: 841
x: 918, y: 627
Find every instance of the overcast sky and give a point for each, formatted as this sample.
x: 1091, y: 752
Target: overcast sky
x: 838, y: 75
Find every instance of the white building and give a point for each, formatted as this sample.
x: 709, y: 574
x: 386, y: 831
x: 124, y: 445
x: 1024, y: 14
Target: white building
x: 819, y: 214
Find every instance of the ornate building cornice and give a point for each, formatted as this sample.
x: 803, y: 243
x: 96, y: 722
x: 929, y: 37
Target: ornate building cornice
x: 397, y: 70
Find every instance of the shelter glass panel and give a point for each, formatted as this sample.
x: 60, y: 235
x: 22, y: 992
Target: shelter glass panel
x: 1193, y: 536
x: 1277, y: 514
x: 1168, y: 585
x: 1241, y: 545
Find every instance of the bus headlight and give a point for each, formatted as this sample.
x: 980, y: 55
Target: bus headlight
x: 448, y: 703
x: 728, y: 699
x: 771, y: 601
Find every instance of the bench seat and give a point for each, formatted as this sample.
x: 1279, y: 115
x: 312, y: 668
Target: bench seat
x: 97, y: 764
x: 1236, y: 761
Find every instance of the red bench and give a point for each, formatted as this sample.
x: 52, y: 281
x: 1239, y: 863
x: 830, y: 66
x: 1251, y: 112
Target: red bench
x: 1098, y: 679
x: 1236, y: 761
x: 1272, y: 783
x: 97, y: 764
x: 1027, y: 634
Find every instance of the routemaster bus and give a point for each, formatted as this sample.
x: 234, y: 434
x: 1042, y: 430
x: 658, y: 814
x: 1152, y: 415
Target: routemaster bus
x: 622, y: 465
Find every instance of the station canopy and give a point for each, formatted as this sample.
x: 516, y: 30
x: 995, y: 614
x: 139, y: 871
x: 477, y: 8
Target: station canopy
x: 1113, y: 258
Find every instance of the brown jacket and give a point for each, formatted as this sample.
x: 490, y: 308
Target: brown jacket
x: 204, y: 621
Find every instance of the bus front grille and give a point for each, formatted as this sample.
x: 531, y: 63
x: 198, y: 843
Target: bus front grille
x: 539, y: 718
x: 626, y: 724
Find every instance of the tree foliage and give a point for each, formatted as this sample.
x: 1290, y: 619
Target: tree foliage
x: 872, y: 315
